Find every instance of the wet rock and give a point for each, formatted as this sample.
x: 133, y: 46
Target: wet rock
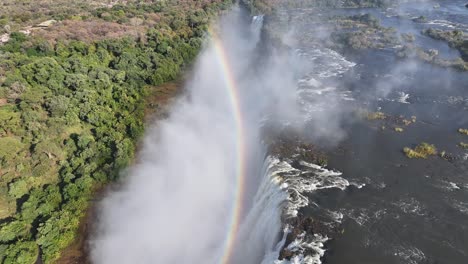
x: 449, y: 157
x: 304, y: 227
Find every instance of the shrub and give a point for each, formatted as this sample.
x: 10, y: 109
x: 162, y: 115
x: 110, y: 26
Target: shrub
x: 375, y: 116
x: 422, y: 151
x: 463, y: 131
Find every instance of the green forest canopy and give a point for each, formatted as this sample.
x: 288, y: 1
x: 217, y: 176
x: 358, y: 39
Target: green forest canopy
x: 71, y: 111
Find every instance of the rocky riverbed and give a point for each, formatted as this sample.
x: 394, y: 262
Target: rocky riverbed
x: 387, y: 79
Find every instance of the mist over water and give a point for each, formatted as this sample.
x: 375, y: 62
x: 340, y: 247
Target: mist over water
x: 176, y: 204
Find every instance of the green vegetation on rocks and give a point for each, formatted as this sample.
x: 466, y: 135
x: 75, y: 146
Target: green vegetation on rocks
x: 359, y: 32
x: 422, y: 151
x: 463, y: 131
x: 71, y: 111
x: 375, y: 116
x: 455, y: 38
x: 408, y: 37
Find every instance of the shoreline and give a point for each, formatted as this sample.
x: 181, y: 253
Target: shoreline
x: 159, y: 99
x: 89, y: 127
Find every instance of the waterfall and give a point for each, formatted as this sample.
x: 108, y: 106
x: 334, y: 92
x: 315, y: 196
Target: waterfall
x: 205, y: 189
x: 177, y: 204
x: 261, y: 229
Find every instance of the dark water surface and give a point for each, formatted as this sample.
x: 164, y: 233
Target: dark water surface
x: 408, y: 211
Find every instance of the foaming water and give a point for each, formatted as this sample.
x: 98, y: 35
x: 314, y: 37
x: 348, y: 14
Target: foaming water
x: 262, y: 225
x: 410, y: 211
x: 326, y: 62
x: 203, y: 191
x: 297, y: 182
x: 198, y: 193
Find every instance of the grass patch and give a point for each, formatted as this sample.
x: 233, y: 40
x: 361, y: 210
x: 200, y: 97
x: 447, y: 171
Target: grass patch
x: 422, y: 151
x: 398, y: 129
x: 463, y: 145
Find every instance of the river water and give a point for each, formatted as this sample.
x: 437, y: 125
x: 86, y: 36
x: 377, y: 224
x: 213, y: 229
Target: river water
x: 212, y: 187
x: 387, y: 208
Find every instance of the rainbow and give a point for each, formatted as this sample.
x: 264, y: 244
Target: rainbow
x: 240, y: 148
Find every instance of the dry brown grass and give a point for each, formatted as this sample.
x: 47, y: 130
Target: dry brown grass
x: 87, y: 31
x: 21, y: 13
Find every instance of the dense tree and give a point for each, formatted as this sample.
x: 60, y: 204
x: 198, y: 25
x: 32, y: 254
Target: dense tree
x: 71, y: 111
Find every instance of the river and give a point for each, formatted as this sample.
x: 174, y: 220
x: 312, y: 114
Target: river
x: 230, y: 177
x: 393, y: 210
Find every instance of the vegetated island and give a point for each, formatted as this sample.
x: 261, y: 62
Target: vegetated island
x: 355, y: 33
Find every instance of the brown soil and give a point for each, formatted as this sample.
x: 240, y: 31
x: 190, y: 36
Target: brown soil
x: 3, y: 101
x: 160, y: 99
x: 87, y: 31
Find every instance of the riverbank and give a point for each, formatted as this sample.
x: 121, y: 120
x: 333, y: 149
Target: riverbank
x: 157, y: 103
x: 72, y: 110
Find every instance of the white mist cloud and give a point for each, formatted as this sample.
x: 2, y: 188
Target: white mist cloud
x: 175, y: 204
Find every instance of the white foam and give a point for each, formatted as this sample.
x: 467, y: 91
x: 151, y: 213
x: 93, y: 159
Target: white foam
x: 336, y: 216
x: 410, y: 255
x: 379, y: 214
x: 300, y: 245
x: 326, y: 62
x: 447, y: 24
x: 358, y: 185
x: 411, y: 206
x: 403, y: 98
x: 454, y: 186
x: 298, y: 183
x: 263, y: 219
x: 360, y: 217
x: 447, y: 185
x: 319, y: 91
x: 461, y: 207
x: 310, y: 82
x: 365, y: 217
